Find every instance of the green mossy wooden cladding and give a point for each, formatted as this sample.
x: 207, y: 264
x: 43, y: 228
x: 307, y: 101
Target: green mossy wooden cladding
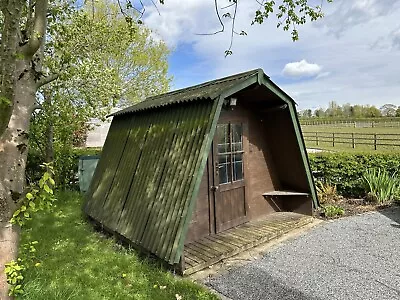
x: 147, y: 174
x: 146, y: 183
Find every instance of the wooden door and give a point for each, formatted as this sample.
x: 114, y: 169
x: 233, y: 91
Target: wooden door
x: 229, y: 176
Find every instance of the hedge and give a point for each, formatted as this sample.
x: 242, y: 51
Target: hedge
x: 65, y: 165
x: 345, y: 170
x: 342, y: 169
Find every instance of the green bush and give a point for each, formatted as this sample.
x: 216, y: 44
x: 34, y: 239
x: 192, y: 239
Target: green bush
x: 345, y: 170
x: 65, y: 165
x: 332, y: 211
x: 382, y: 186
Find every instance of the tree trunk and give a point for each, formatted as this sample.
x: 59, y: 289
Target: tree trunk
x: 49, y: 155
x: 17, y: 94
x: 49, y: 142
x: 13, y: 156
x: 14, y: 140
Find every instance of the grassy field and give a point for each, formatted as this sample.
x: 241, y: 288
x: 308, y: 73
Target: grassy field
x: 75, y: 262
x: 344, y: 139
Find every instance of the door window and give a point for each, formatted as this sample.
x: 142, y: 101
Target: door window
x: 230, y: 152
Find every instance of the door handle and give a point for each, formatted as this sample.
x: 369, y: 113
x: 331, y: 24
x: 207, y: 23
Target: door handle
x: 214, y: 188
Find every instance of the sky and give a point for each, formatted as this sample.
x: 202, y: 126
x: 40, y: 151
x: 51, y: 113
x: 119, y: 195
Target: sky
x: 352, y: 55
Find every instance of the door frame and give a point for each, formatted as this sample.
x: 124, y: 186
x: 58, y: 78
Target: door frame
x: 216, y: 188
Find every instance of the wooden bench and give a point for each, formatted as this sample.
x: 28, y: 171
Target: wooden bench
x: 272, y: 196
x: 284, y: 193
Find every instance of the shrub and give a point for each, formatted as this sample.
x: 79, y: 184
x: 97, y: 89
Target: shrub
x: 345, y: 170
x: 382, y: 186
x: 332, y: 211
x: 65, y: 165
x: 326, y: 192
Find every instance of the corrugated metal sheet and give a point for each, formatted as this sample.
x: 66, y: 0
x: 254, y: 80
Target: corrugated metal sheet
x: 147, y: 175
x: 145, y: 184
x: 208, y: 90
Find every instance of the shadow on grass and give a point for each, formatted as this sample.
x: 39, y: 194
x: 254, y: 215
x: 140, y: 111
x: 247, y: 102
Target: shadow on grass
x: 76, y: 262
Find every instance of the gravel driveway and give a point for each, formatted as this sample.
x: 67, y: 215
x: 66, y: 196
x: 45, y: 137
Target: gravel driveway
x: 356, y: 257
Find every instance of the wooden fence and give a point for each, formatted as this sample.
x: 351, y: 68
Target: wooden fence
x: 376, y: 141
x: 353, y: 124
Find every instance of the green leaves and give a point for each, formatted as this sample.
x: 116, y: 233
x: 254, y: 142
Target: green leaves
x: 228, y: 52
x: 13, y: 271
x: 5, y: 101
x: 345, y: 170
x: 38, y: 198
x: 290, y: 14
x: 382, y: 186
x: 102, y: 60
x: 332, y: 211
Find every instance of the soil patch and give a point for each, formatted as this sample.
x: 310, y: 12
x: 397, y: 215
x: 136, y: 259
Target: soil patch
x: 353, y: 207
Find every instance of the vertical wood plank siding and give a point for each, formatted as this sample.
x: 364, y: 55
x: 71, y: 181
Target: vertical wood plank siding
x: 145, y: 177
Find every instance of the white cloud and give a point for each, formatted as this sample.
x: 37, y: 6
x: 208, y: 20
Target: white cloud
x: 396, y: 39
x: 181, y: 21
x: 301, y: 69
x: 349, y: 14
x: 360, y: 59
x: 323, y: 74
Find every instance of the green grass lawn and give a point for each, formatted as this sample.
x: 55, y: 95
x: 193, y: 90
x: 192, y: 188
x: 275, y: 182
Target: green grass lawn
x: 344, y: 142
x: 76, y: 262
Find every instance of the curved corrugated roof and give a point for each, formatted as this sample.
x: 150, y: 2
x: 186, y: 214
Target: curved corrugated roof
x: 208, y: 90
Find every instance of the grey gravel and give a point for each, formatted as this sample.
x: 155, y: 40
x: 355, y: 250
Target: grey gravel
x: 356, y: 257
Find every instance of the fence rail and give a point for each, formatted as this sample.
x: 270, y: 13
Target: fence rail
x: 377, y: 141
x: 352, y: 124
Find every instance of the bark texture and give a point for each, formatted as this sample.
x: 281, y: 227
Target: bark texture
x: 19, y: 76
x: 14, y: 141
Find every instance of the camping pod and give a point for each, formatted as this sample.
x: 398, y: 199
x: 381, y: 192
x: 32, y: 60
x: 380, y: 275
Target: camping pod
x: 198, y: 170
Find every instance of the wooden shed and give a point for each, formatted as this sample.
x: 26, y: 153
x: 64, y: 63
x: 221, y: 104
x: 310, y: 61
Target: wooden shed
x: 202, y: 173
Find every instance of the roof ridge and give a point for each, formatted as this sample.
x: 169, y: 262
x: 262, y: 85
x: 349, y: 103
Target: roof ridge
x: 210, y: 82
x: 190, y: 92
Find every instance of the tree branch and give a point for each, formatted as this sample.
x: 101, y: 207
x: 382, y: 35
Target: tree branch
x: 219, y: 19
x: 46, y: 80
x: 229, y: 51
x: 39, y: 29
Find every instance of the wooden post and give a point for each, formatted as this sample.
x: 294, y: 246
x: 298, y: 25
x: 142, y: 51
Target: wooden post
x: 333, y: 139
x: 316, y: 138
x: 352, y: 139
x: 375, y: 141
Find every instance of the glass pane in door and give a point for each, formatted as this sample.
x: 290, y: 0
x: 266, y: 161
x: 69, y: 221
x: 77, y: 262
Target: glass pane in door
x: 237, y: 165
x: 237, y: 137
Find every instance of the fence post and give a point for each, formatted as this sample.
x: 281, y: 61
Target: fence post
x: 316, y: 138
x: 333, y: 139
x: 375, y: 141
x: 352, y: 139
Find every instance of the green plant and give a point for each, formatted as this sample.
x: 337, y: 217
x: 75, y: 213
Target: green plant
x: 332, y: 211
x: 39, y: 197
x: 13, y: 271
x: 327, y: 192
x: 101, y: 269
x: 345, y: 169
x: 65, y: 166
x: 382, y: 186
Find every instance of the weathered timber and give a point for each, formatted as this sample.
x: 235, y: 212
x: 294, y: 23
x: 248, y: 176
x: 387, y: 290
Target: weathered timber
x: 232, y: 241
